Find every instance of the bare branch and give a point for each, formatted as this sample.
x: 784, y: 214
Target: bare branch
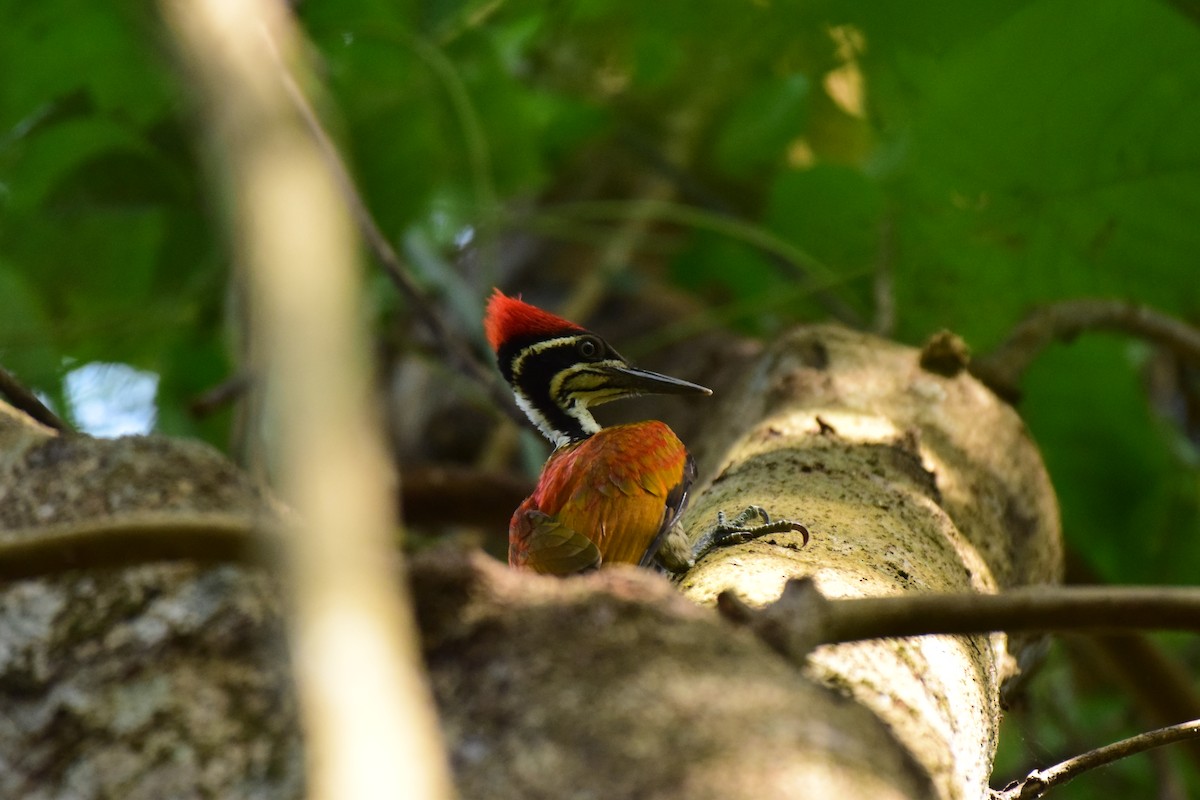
x: 803, y: 618
x: 25, y: 400
x: 451, y: 344
x: 1040, y: 781
x: 224, y: 393
x: 1002, y: 369
x: 1060, y: 608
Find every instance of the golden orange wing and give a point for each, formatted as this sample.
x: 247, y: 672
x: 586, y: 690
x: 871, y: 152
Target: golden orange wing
x: 618, y: 489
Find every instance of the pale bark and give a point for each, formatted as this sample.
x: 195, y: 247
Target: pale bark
x: 907, y: 481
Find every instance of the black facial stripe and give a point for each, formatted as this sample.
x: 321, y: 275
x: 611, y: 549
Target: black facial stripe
x: 533, y: 382
x: 506, y: 356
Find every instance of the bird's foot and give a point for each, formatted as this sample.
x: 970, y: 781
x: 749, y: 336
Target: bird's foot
x: 739, y: 530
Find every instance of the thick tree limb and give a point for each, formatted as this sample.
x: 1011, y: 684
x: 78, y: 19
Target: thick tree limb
x: 910, y: 482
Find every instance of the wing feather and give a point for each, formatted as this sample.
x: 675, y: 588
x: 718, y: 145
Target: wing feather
x: 546, y: 545
x: 618, y: 491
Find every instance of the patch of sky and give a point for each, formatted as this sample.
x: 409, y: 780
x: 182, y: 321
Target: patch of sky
x: 110, y: 400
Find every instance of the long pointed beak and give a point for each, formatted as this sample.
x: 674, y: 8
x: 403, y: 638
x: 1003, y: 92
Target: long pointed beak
x: 631, y: 381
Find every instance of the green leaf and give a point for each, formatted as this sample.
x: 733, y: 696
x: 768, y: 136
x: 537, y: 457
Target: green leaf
x: 761, y: 125
x: 1055, y: 165
x: 106, y: 50
x: 26, y: 340
x: 1108, y: 460
x: 33, y: 168
x: 833, y: 212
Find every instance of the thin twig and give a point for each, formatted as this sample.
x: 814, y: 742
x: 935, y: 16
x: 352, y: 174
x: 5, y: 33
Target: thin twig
x: 1040, y: 781
x: 1060, y: 608
x: 803, y: 618
x: 884, y: 285
x: 707, y: 202
x: 452, y: 345
x: 802, y: 264
x: 474, y: 131
x: 723, y: 315
x: 220, y: 395
x: 25, y: 400
x: 1002, y: 369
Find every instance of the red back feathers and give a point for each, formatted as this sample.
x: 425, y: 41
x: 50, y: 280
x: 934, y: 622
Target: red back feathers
x: 510, y: 318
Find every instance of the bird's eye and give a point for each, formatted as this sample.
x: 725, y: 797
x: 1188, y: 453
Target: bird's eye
x: 589, y: 348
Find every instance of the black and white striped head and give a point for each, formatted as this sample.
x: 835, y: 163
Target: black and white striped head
x: 558, y: 370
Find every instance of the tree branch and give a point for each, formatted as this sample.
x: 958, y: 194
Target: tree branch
x: 803, y: 618
x: 224, y: 393
x: 39, y: 551
x: 460, y: 495
x: 801, y: 264
x: 453, y: 346
x: 1068, y: 608
x: 1002, y: 369
x: 25, y: 400
x: 1040, y: 781
x: 128, y: 540
x: 370, y: 726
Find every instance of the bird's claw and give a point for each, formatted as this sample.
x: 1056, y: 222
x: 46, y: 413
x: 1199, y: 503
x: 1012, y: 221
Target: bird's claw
x: 739, y: 530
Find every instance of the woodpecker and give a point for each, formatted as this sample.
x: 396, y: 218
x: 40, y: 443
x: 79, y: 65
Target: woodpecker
x: 606, y: 495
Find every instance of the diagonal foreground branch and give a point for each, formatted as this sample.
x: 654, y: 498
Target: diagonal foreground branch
x: 28, y: 402
x: 370, y: 729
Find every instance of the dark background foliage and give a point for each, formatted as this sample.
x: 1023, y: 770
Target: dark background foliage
x: 910, y: 167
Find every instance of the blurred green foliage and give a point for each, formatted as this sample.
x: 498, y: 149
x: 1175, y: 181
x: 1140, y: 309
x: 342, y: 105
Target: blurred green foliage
x: 990, y: 156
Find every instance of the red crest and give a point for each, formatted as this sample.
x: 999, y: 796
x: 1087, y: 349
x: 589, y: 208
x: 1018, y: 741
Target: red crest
x: 510, y: 318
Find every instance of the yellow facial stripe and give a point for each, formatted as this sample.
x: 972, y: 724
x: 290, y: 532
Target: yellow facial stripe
x: 584, y: 382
